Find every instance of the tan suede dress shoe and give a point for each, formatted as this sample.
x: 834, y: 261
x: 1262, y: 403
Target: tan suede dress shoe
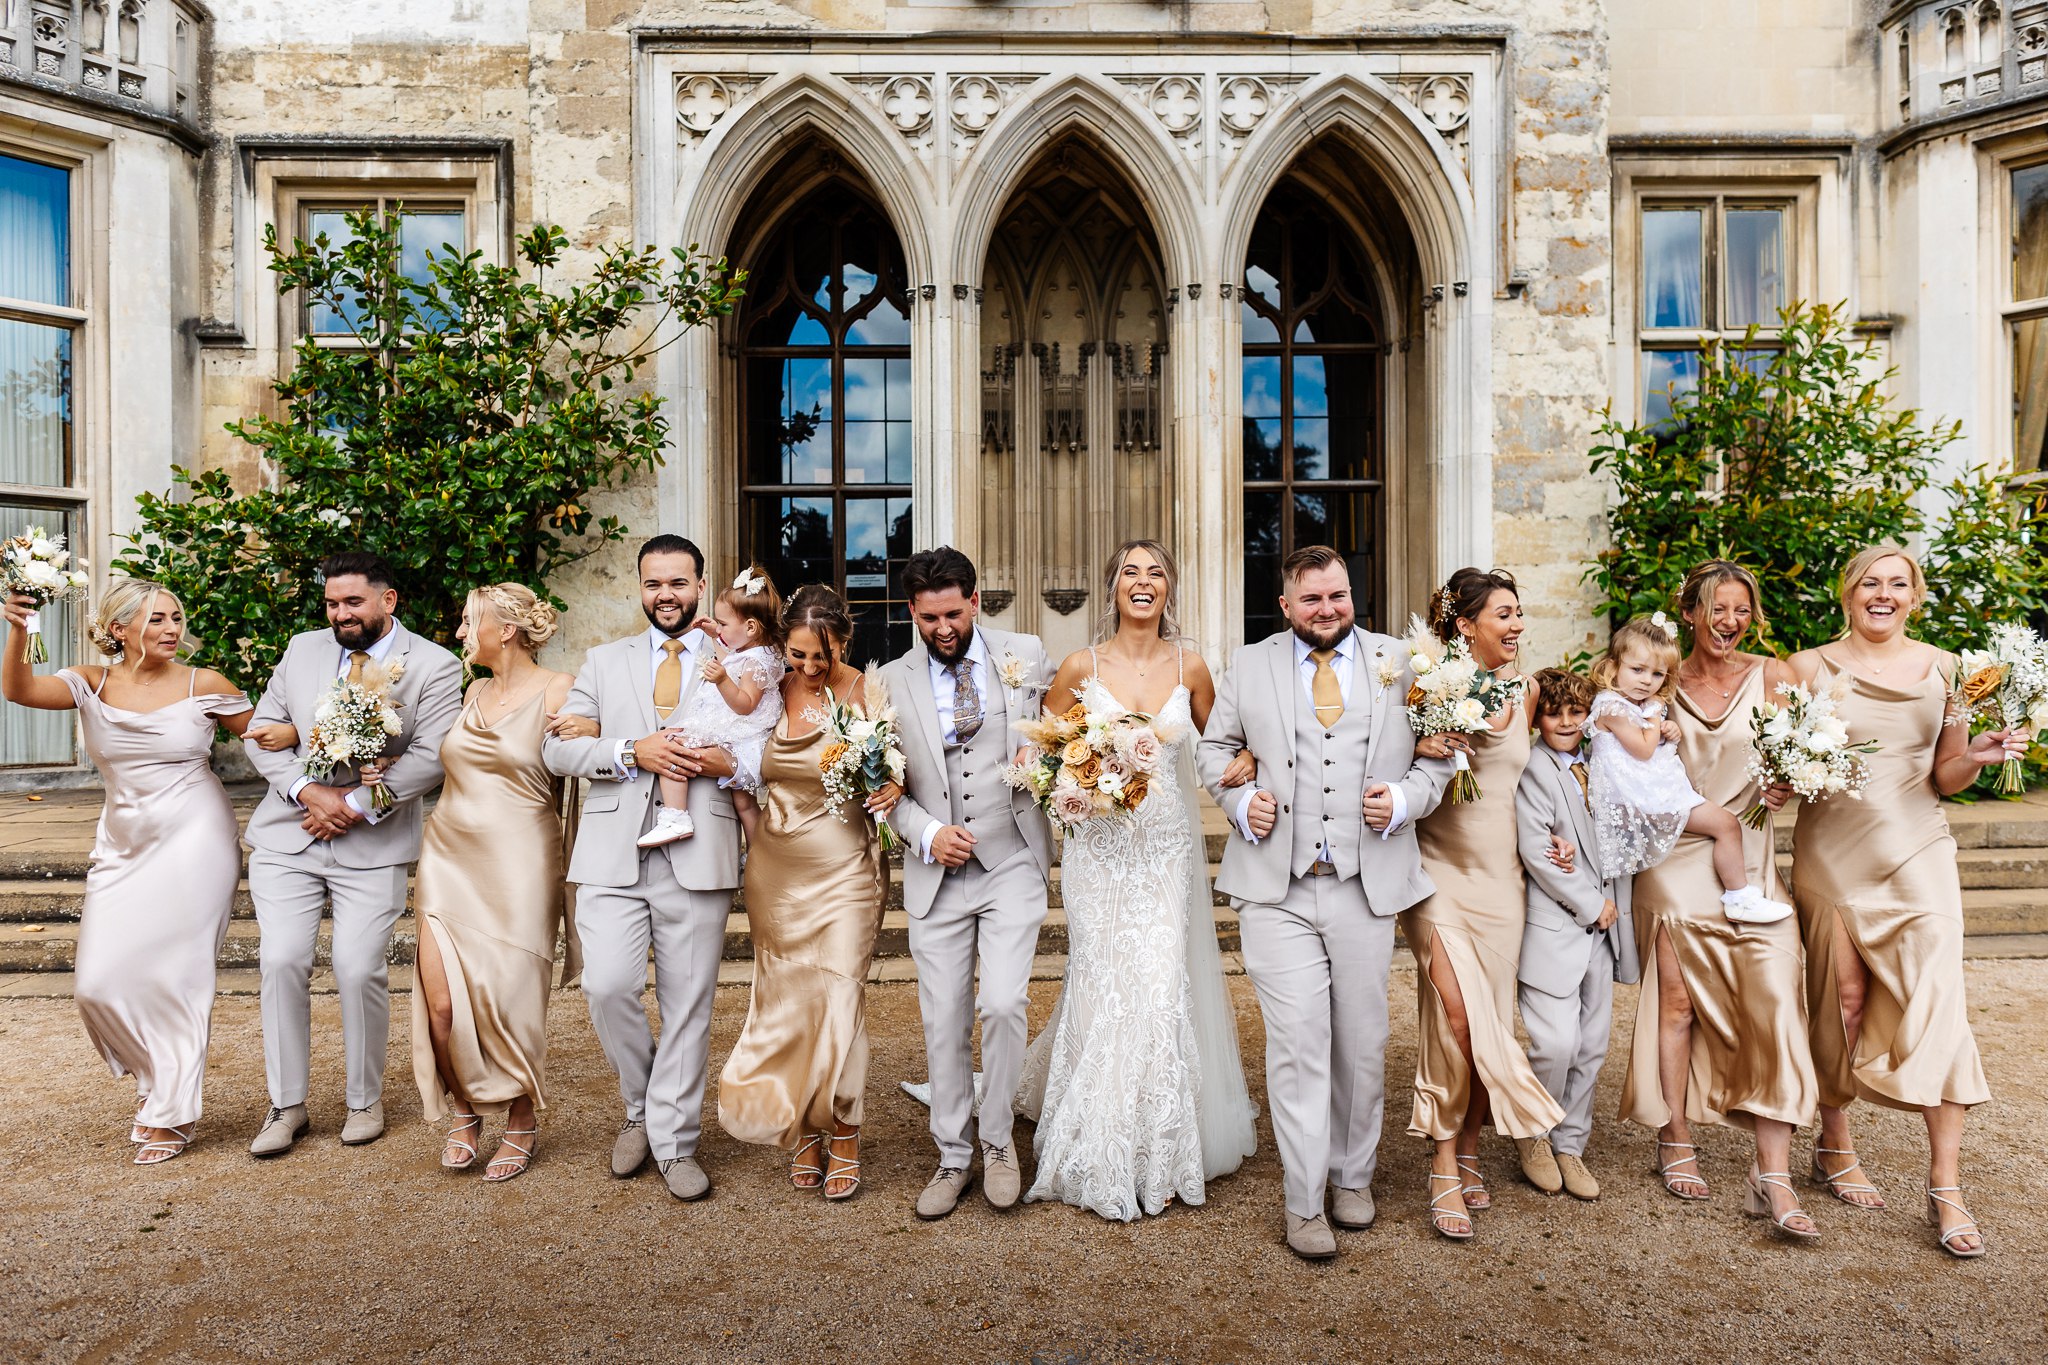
x: 363, y: 1125
x: 1311, y: 1238
x: 1578, y: 1181
x: 685, y: 1178
x: 1351, y: 1210
x: 942, y: 1193
x: 1539, y: 1164
x: 281, y: 1128
x: 630, y: 1151
x: 1001, y: 1180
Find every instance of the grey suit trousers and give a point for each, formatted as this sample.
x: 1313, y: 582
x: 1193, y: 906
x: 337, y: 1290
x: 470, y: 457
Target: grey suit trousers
x: 292, y: 891
x: 1568, y: 1043
x: 1319, y: 962
x: 993, y: 914
x: 661, y: 1078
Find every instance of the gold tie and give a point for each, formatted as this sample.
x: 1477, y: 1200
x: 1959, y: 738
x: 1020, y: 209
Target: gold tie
x: 1585, y: 783
x: 668, y: 679
x: 1328, y: 696
x: 358, y: 660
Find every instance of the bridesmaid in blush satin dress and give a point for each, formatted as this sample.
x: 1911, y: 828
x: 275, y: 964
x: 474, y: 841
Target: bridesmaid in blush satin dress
x: 797, y: 1077
x: 1467, y: 938
x: 167, y: 856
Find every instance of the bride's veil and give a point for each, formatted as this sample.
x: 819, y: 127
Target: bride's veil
x: 1226, y: 1108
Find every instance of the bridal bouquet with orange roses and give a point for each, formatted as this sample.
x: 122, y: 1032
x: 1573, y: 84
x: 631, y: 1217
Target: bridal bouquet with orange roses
x: 1091, y: 761
x: 2005, y: 684
x: 862, y: 753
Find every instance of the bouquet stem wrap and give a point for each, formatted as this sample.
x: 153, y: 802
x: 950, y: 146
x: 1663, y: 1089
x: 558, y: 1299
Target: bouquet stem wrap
x: 32, y: 647
x: 1464, y: 785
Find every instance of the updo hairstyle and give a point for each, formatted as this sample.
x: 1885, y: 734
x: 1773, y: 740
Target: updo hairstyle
x: 123, y: 604
x: 533, y: 621
x: 820, y: 610
x: 1463, y: 596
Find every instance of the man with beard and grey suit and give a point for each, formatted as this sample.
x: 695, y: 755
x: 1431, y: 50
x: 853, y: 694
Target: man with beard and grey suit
x: 675, y: 897
x: 316, y: 844
x: 1326, y: 860
x: 1578, y: 937
x: 978, y: 854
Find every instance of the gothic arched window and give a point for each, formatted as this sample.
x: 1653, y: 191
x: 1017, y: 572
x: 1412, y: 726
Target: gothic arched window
x: 825, y: 398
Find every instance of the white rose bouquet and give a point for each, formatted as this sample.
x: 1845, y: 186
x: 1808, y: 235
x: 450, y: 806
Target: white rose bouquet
x: 862, y: 754
x: 2007, y: 685
x: 1804, y: 744
x: 354, y: 722
x: 1452, y: 694
x: 1090, y: 761
x: 36, y: 565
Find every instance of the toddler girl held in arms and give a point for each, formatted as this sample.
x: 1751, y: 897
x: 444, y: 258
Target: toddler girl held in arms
x: 736, y: 705
x: 1638, y: 789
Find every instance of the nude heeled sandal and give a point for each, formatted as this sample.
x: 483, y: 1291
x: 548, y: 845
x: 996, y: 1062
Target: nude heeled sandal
x: 163, y: 1149
x: 1756, y: 1201
x: 1469, y: 1165
x: 1442, y: 1219
x: 468, y: 1159
x: 842, y: 1168
x: 1967, y: 1228
x: 806, y: 1175
x: 1671, y: 1175
x: 1840, y: 1187
x: 518, y: 1163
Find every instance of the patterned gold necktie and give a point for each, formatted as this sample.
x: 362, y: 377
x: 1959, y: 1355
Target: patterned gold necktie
x: 668, y: 679
x: 358, y: 660
x: 1329, y: 697
x: 1585, y: 783
x: 966, y: 701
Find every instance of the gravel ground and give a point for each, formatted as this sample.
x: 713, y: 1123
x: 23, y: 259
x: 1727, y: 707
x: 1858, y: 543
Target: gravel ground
x: 374, y: 1253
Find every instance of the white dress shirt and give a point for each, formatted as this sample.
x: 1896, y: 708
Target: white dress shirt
x: 943, y: 685
x: 1345, y: 665
x: 378, y: 652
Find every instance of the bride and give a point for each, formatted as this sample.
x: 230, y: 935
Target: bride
x: 1135, y: 1084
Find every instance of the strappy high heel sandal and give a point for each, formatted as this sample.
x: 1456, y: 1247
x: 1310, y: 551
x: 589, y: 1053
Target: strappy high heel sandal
x: 515, y: 1165
x: 1967, y: 1228
x: 137, y: 1133
x: 468, y: 1157
x: 1757, y: 1200
x: 842, y: 1168
x: 806, y: 1175
x: 1673, y: 1177
x: 159, y: 1150
x: 1838, y: 1185
x: 1469, y: 1165
x: 1445, y: 1220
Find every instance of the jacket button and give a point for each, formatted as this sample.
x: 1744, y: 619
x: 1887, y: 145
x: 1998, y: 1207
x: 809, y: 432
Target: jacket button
x: 1328, y: 791
x: 1290, y: 762
x: 1284, y: 810
x: 1329, y: 762
x: 1329, y: 736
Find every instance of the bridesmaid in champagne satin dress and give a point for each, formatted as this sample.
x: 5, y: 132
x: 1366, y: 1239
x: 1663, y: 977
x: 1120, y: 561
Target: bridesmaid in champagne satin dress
x: 1879, y: 898
x: 815, y: 881
x: 1720, y: 1030
x: 1467, y: 938
x: 167, y: 856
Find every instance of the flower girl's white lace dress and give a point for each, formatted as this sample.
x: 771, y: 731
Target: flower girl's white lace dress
x: 1639, y: 804
x: 1136, y: 1084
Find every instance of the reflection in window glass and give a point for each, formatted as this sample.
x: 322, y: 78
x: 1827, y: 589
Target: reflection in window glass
x: 2030, y: 233
x: 1673, y: 265
x: 1756, y: 267
x: 420, y: 231
x: 35, y: 232
x: 2030, y: 393
x: 1666, y: 373
x: 35, y: 404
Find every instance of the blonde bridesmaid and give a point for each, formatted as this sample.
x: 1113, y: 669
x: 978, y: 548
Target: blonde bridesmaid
x: 1720, y: 1032
x: 167, y: 855
x: 1467, y: 938
x: 1880, y: 902
x: 797, y: 1078
x: 489, y: 896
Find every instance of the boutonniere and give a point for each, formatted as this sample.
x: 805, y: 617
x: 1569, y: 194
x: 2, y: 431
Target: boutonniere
x: 1013, y: 672
x: 394, y: 670
x: 1386, y: 670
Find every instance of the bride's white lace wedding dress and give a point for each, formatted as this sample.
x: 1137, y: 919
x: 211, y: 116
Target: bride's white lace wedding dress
x: 1136, y: 1084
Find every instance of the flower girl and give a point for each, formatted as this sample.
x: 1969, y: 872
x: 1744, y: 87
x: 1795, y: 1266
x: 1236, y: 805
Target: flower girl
x: 737, y: 708
x: 1638, y: 790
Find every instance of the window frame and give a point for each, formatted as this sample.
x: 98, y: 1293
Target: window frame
x: 387, y: 202
x: 1714, y: 291
x: 2012, y: 311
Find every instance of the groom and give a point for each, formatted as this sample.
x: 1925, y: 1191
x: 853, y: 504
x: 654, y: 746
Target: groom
x: 978, y: 857
x: 1327, y: 858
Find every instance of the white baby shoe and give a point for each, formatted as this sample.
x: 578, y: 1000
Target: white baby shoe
x: 1751, y: 906
x: 672, y: 824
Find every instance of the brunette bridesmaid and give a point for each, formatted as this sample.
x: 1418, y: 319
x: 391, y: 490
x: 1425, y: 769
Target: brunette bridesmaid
x: 815, y: 881
x: 1720, y: 1032
x: 1880, y: 902
x: 167, y: 856
x: 1467, y: 938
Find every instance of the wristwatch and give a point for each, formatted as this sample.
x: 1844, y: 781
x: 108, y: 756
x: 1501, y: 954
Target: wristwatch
x: 626, y: 762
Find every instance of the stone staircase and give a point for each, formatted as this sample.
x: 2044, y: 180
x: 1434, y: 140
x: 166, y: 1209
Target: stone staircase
x: 45, y: 847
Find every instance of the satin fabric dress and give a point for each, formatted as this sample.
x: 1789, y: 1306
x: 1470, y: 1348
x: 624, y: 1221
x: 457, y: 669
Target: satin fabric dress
x: 1475, y: 919
x: 814, y: 888
x: 165, y: 864
x: 490, y: 892
x: 1749, y: 1055
x: 1884, y: 868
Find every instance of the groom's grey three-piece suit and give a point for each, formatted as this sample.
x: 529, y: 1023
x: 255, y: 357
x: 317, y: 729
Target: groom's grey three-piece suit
x: 991, y: 906
x: 1318, y: 895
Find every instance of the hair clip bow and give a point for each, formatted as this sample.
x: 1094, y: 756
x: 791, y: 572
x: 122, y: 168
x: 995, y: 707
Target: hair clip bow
x: 1663, y: 623
x: 749, y: 583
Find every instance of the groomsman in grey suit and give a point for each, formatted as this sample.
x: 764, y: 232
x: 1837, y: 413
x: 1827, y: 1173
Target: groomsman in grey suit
x: 978, y: 856
x: 1578, y: 938
x: 675, y: 897
x: 1326, y: 859
x: 317, y: 844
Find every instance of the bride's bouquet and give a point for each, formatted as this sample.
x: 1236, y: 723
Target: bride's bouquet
x: 354, y: 722
x: 1090, y: 762
x: 36, y: 565
x: 861, y: 754
x: 1804, y: 744
x: 1452, y: 694
x: 2006, y: 684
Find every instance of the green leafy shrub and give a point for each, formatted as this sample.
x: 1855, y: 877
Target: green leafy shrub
x: 457, y: 430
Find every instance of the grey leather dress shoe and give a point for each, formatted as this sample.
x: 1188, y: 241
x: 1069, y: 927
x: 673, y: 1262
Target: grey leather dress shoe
x: 1351, y: 1209
x: 630, y: 1150
x: 1001, y: 1180
x: 685, y: 1178
x: 1578, y: 1181
x: 942, y: 1193
x: 364, y: 1125
x: 281, y: 1128
x: 1311, y: 1238
x: 1539, y: 1164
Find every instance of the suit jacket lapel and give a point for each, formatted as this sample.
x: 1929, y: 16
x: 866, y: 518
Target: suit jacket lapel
x: 1287, y: 683
x: 639, y: 679
x: 1365, y: 686
x: 917, y: 680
